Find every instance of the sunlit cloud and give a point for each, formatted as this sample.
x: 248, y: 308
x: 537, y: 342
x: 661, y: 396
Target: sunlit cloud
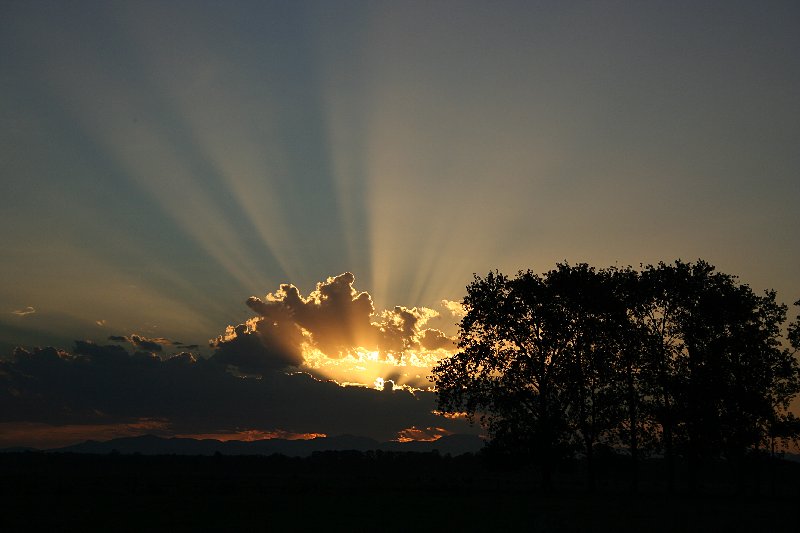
x: 24, y: 312
x: 428, y: 434
x: 456, y: 308
x: 336, y: 333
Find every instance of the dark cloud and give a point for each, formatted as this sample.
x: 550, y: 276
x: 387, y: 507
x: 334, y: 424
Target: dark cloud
x: 138, y: 341
x: 95, y: 351
x: 151, y: 345
x: 106, y: 385
x: 434, y: 339
x: 259, y: 346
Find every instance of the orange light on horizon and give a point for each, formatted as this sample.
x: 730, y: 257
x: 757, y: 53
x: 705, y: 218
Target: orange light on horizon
x: 251, y: 435
x: 429, y: 434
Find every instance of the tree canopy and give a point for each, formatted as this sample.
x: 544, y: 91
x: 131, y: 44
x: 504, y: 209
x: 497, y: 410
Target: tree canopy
x: 676, y: 359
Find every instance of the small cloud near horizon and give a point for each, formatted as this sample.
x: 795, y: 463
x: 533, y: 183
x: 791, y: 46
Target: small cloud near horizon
x: 155, y: 344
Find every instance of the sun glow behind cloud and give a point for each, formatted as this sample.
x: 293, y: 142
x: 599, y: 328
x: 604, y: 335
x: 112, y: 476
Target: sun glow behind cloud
x: 335, y: 333
x: 361, y: 367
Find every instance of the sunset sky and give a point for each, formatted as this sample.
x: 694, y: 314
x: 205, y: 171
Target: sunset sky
x: 302, y: 190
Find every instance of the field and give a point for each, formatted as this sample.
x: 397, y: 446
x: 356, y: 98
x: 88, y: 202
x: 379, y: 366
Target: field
x: 343, y: 491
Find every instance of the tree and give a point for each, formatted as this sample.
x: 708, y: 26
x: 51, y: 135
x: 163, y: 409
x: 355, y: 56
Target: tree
x: 634, y: 429
x: 508, y: 371
x: 676, y: 358
x: 786, y: 426
x: 595, y: 332
x: 538, y: 362
x: 716, y: 375
x: 794, y: 331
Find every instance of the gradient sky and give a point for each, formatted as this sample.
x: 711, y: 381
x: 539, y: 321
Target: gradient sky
x: 163, y: 161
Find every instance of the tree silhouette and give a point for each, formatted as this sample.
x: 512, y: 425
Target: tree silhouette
x: 794, y: 331
x: 716, y: 373
x: 511, y: 366
x: 784, y: 425
x: 636, y: 429
x: 594, y: 333
x: 678, y: 358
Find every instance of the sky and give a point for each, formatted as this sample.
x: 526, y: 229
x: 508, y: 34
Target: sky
x: 176, y: 177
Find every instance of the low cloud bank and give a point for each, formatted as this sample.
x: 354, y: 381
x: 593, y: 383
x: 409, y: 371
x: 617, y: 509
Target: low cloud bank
x: 259, y: 378
x: 95, y: 385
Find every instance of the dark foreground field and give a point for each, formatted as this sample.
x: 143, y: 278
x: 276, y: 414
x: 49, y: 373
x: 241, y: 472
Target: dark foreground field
x: 371, y: 492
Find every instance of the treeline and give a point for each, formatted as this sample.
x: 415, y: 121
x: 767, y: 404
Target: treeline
x: 675, y: 360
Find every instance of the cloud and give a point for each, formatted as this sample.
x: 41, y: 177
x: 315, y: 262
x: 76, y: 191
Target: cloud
x: 24, y: 312
x: 281, y: 372
x: 138, y: 341
x: 94, y: 351
x: 421, y: 434
x: 434, y: 339
x: 456, y: 308
x: 335, y: 314
x: 152, y: 345
x: 98, y: 385
x: 334, y: 321
x: 250, y: 435
x: 258, y: 346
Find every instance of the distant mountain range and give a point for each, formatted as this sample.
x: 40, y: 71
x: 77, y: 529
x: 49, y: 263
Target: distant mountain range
x: 153, y: 445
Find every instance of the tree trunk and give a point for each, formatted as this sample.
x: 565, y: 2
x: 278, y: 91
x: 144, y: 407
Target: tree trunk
x: 634, y: 434
x: 547, y: 478
x: 590, y: 473
x: 669, y: 452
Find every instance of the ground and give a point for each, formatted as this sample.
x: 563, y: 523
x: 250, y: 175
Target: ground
x: 345, y: 491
